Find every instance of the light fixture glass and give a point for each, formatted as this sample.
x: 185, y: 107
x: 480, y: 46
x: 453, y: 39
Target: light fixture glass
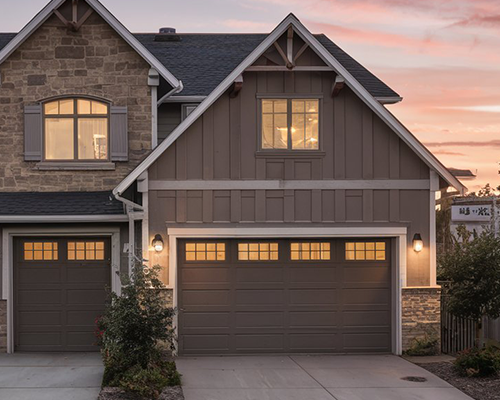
x: 158, y: 243
x: 418, y: 243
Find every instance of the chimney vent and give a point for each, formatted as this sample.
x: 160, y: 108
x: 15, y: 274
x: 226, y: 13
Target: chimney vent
x: 167, y: 30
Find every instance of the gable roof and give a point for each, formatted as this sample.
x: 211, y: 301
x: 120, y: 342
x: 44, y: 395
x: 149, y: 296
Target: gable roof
x: 202, y: 61
x: 328, y: 58
x: 48, y: 10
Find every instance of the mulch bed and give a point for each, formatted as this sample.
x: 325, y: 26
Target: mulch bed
x: 477, y: 388
x: 112, y: 393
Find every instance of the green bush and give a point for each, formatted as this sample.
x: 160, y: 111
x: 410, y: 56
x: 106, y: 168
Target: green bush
x: 131, y: 332
x: 426, y: 346
x: 478, y: 362
x: 149, y: 383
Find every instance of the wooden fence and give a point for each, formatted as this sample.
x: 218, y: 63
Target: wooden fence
x: 457, y: 334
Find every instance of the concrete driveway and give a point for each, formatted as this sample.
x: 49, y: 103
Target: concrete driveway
x: 310, y: 378
x: 50, y: 376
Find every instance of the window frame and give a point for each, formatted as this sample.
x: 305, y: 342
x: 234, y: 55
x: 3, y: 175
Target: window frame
x: 75, y: 116
x: 289, y: 98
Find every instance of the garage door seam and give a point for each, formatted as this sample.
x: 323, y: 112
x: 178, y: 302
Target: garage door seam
x: 312, y: 377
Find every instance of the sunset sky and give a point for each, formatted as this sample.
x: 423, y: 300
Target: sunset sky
x: 443, y: 56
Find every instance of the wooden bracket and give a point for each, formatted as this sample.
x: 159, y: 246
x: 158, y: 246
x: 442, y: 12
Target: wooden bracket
x: 338, y: 85
x: 288, y: 64
x: 75, y: 24
x: 237, y: 86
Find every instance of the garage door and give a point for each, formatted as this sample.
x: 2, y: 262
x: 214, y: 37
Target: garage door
x: 59, y: 291
x: 284, y: 296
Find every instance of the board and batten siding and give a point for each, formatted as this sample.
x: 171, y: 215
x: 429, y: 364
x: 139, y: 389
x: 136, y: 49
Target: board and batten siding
x: 222, y: 145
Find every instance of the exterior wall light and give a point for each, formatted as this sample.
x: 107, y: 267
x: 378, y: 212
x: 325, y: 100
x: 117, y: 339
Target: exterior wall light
x: 158, y: 243
x: 418, y: 243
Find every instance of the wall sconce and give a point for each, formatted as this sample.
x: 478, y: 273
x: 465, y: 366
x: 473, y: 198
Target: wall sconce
x: 418, y: 243
x: 158, y: 243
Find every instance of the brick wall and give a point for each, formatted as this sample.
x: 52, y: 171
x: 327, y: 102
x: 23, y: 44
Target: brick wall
x: 55, y: 61
x: 3, y: 326
x: 421, y: 314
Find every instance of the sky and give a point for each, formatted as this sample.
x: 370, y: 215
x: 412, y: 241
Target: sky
x: 442, y: 57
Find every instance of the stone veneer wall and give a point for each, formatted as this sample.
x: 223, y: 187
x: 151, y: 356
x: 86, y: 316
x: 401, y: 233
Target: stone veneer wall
x: 421, y: 314
x: 55, y: 61
x: 3, y: 326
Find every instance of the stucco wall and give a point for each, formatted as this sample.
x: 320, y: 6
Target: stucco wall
x: 55, y: 61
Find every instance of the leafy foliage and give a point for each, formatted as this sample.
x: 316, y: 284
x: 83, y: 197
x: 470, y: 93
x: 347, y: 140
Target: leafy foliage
x: 472, y: 266
x: 485, y: 191
x: 426, y: 346
x: 132, y: 330
x: 478, y: 362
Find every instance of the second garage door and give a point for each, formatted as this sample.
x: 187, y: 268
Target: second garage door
x: 284, y: 296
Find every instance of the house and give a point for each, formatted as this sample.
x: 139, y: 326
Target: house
x: 289, y: 209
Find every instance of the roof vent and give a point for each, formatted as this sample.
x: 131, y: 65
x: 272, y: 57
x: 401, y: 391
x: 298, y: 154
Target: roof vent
x: 167, y: 35
x: 167, y: 30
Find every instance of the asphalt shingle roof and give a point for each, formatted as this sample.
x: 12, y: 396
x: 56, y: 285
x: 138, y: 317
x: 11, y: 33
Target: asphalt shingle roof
x: 202, y: 61
x: 59, y: 203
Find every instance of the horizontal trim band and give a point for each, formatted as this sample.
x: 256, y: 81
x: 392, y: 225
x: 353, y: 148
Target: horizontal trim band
x: 62, y: 218
x: 417, y: 184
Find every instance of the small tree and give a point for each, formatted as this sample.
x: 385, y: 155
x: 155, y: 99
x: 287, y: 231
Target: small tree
x: 134, y: 325
x: 472, y: 265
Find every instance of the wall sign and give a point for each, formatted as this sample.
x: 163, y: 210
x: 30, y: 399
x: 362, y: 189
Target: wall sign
x: 471, y: 213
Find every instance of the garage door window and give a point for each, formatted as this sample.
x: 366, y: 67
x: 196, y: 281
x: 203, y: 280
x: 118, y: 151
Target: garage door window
x: 310, y: 251
x: 205, y: 251
x: 257, y: 251
x: 365, y: 251
x: 88, y: 251
x: 34, y: 251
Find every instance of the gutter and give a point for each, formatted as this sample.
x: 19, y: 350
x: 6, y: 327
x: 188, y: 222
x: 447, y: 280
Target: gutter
x: 171, y: 93
x: 7, y: 219
x: 389, y: 100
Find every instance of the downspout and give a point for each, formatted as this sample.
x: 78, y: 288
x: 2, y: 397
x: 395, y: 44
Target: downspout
x: 171, y: 93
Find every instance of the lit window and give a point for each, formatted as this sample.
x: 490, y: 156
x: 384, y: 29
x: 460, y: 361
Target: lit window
x: 365, y: 251
x: 40, y: 251
x: 88, y: 251
x: 76, y: 129
x: 205, y: 251
x: 257, y: 251
x: 310, y: 251
x: 291, y: 124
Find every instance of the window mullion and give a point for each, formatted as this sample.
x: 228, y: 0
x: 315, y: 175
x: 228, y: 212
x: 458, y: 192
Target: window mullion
x: 289, y: 123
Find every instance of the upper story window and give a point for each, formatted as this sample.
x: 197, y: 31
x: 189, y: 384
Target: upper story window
x: 76, y: 129
x: 290, y: 124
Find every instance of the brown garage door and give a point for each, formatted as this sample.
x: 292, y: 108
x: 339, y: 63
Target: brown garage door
x: 284, y: 296
x: 60, y: 289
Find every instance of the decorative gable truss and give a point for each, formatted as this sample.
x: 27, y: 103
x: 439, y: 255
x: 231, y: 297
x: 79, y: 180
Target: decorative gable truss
x: 275, y: 53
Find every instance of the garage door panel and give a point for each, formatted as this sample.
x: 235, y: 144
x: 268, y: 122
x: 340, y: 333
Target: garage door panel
x: 365, y: 318
x: 313, y: 296
x: 314, y: 275
x: 366, y: 341
x: 40, y: 274
x: 206, y: 343
x: 37, y: 318
x: 259, y: 297
x: 259, y: 319
x: 205, y: 320
x: 38, y: 297
x: 313, y: 319
x: 56, y: 302
x: 299, y: 306
x: 259, y: 343
x: 312, y: 342
x: 205, y: 297
x: 261, y: 275
x: 205, y: 275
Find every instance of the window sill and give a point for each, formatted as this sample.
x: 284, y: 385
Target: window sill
x: 290, y: 154
x: 75, y: 166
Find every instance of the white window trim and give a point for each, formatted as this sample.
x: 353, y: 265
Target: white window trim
x: 399, y: 233
x: 8, y: 235
x: 185, y: 110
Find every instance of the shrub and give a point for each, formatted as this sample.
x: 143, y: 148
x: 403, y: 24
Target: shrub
x: 149, y: 383
x: 134, y: 325
x: 426, y: 346
x: 478, y: 362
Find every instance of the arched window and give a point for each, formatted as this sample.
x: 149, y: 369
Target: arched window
x: 76, y: 129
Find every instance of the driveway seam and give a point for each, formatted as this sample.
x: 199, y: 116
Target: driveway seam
x: 312, y: 377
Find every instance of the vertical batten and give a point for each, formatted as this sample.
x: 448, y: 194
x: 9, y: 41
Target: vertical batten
x: 432, y: 227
